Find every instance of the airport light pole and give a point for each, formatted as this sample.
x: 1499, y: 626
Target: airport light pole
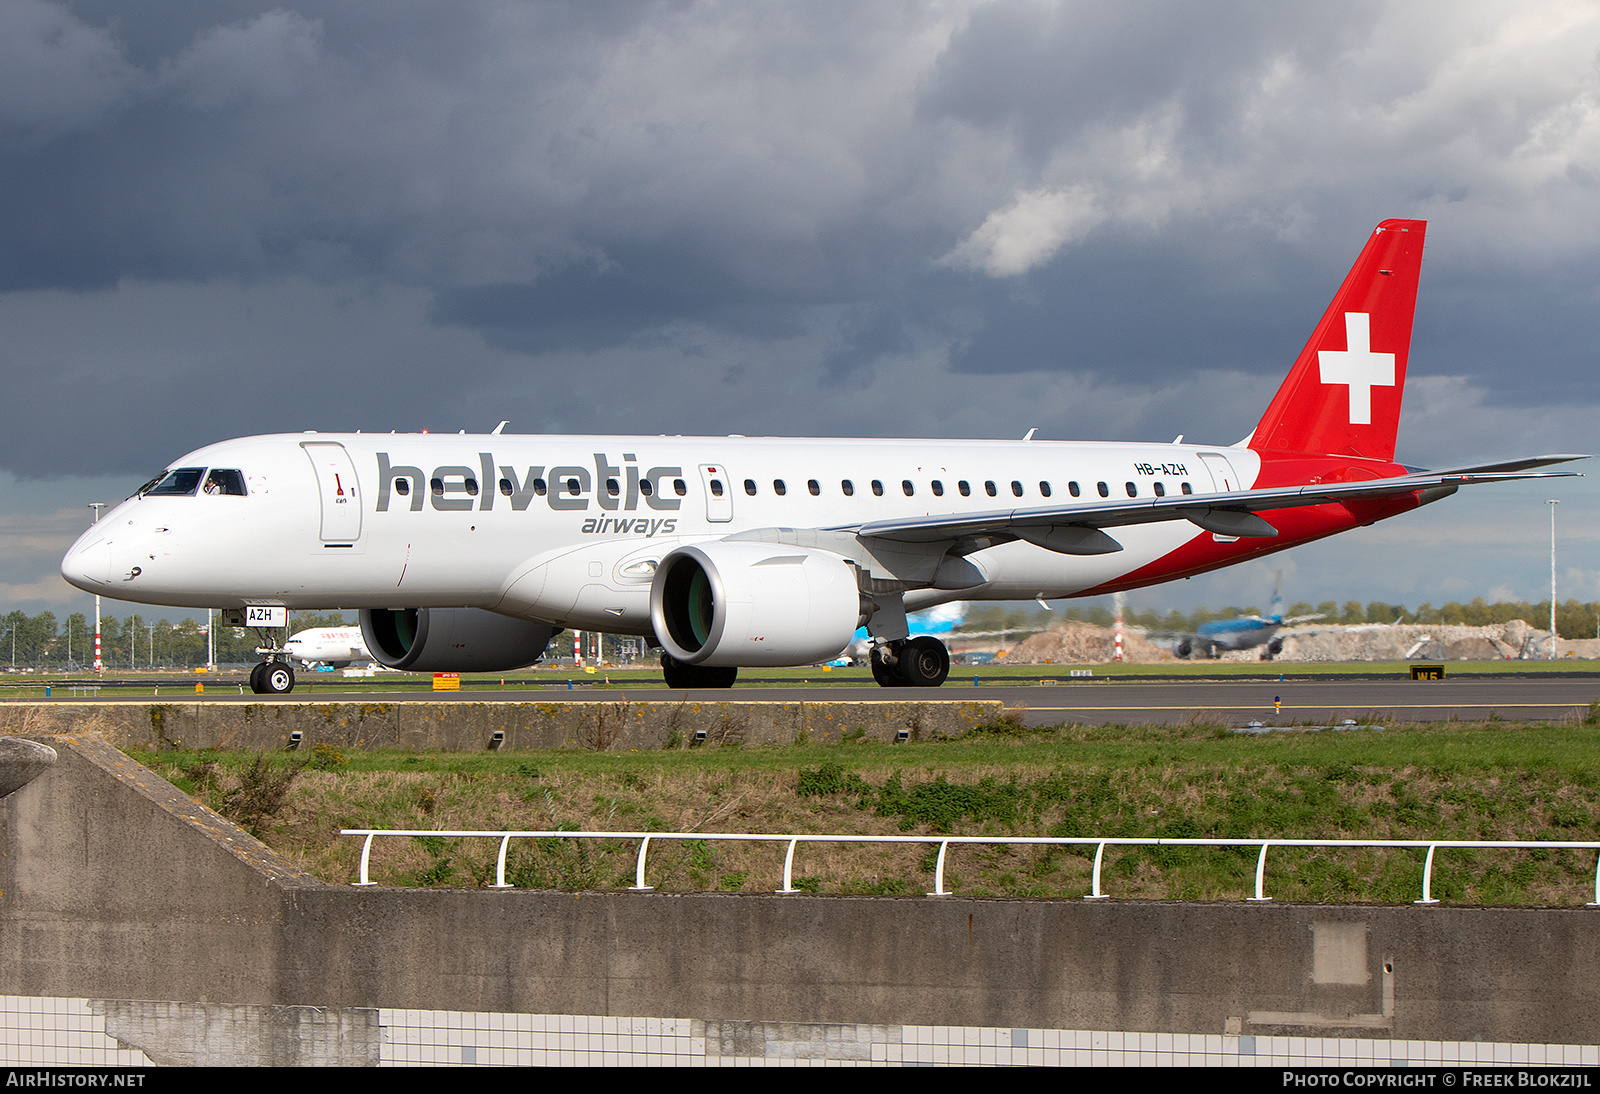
x: 1552, y: 503
x: 98, y: 666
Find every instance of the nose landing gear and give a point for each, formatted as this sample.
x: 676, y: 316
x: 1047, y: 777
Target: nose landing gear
x: 272, y: 678
x: 274, y: 675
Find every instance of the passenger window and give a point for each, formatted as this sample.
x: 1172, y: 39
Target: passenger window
x: 938, y: 488
x: 181, y: 483
x: 1072, y: 488
x: 646, y: 488
x: 716, y: 488
x: 1161, y: 491
x: 1044, y: 490
x: 750, y: 487
x: 1187, y: 489
x: 1133, y: 490
x: 539, y: 486
x: 679, y: 487
x: 905, y: 484
x: 848, y: 487
x: 877, y: 488
x: 1105, y: 491
x: 402, y: 486
x: 988, y: 488
x: 470, y: 485
x: 612, y: 487
x: 231, y: 483
x: 573, y: 488
x: 965, y: 488
x: 1016, y: 488
x: 505, y: 486
x: 814, y: 486
x: 779, y: 488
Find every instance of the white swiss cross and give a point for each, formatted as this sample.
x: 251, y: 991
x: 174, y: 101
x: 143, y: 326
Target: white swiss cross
x: 1358, y: 367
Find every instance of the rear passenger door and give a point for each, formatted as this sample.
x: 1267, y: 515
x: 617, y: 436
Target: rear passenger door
x: 719, y: 492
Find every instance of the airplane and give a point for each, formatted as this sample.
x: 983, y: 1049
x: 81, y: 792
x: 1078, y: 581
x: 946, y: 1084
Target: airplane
x: 467, y: 553
x: 336, y: 646
x: 1244, y: 632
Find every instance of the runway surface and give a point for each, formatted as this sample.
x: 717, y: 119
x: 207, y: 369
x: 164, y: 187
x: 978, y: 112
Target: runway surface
x: 1103, y: 701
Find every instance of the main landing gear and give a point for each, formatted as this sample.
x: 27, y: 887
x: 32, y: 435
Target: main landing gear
x: 272, y: 678
x: 682, y: 677
x: 1186, y: 650
x: 910, y: 663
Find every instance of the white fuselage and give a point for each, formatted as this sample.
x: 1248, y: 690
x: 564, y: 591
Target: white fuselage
x: 494, y: 522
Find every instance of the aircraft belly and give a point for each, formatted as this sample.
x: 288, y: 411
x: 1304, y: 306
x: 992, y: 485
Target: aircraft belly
x: 1023, y: 570
x: 606, y: 608
x: 594, y: 587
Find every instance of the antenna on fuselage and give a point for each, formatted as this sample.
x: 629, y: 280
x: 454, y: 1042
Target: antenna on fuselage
x: 498, y: 428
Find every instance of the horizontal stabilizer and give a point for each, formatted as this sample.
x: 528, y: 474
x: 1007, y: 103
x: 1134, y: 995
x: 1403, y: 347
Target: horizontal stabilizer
x: 1527, y: 464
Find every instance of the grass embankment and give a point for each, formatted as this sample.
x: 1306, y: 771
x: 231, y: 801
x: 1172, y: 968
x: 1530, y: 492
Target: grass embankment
x: 1442, y: 781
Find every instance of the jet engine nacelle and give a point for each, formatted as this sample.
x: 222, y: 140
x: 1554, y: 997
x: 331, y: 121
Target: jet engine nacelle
x: 452, y: 639
x: 752, y: 604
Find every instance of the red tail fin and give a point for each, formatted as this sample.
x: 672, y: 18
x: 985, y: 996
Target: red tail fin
x: 1343, y: 395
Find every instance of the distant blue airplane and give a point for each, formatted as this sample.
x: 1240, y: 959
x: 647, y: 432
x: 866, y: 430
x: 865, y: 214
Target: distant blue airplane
x: 1242, y: 632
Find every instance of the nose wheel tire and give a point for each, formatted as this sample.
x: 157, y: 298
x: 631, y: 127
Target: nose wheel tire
x: 272, y: 678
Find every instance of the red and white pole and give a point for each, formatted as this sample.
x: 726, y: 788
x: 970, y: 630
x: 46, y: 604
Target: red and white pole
x: 99, y: 666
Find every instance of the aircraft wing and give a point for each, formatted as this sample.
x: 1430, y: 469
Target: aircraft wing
x: 1226, y: 512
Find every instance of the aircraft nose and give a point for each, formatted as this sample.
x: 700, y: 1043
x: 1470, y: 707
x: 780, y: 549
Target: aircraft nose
x: 88, y: 564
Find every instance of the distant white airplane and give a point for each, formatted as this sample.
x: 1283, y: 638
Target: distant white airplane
x: 468, y: 553
x: 336, y: 646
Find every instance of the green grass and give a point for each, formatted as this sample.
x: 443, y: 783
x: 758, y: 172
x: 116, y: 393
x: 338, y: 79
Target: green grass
x: 1441, y: 781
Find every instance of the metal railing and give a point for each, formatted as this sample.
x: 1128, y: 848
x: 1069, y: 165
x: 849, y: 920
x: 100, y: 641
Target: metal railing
x: 944, y: 842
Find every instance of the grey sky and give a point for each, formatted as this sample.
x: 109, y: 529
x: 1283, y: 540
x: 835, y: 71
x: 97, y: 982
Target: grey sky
x: 1106, y: 221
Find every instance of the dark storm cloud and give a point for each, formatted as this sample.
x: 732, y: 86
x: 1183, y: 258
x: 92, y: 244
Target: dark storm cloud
x: 1049, y: 71
x: 830, y: 215
x: 1196, y: 299
x: 638, y: 290
x: 353, y: 141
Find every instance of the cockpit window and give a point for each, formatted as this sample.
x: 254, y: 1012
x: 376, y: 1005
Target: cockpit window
x: 225, y: 481
x: 180, y: 483
x: 145, y: 489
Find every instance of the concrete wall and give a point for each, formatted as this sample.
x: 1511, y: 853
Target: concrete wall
x: 461, y: 725
x: 113, y: 885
